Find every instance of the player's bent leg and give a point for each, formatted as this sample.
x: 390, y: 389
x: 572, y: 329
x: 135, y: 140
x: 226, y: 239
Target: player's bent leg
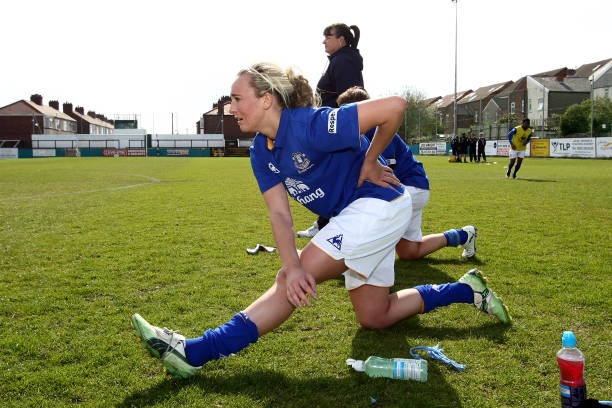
x: 319, y: 264
x: 376, y: 308
x: 411, y: 250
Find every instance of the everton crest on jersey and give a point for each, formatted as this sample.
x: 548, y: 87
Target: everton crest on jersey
x: 301, y: 162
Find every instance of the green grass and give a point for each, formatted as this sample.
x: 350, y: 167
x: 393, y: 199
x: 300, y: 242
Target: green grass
x: 86, y: 242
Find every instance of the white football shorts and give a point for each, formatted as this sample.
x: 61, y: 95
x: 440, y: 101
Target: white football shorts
x: 420, y: 198
x: 517, y: 153
x: 364, y: 234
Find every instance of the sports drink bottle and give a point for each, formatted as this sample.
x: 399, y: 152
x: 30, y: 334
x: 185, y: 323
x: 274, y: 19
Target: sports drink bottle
x: 571, y: 364
x: 397, y: 368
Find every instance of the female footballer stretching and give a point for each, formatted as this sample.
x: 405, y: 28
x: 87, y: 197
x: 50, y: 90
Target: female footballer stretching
x: 320, y: 159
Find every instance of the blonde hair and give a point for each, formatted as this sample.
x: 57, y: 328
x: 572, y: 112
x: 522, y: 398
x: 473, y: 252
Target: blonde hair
x: 292, y: 90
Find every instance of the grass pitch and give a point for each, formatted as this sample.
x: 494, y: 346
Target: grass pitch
x: 86, y: 242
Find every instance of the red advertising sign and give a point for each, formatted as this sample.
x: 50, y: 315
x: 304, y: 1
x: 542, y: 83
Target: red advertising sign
x: 123, y: 152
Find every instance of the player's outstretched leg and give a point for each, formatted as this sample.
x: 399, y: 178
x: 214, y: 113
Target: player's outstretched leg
x: 165, y: 344
x: 484, y: 298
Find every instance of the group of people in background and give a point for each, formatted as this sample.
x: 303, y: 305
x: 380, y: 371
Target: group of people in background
x: 472, y: 146
x: 518, y: 137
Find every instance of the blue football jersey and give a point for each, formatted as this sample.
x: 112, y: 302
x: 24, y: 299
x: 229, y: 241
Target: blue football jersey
x: 317, y: 155
x: 408, y: 170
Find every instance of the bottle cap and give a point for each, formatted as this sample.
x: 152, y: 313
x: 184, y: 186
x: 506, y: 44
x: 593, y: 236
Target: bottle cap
x: 568, y: 340
x: 358, y: 365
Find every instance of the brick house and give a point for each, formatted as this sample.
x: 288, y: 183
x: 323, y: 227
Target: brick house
x: 470, y: 107
x: 514, y: 99
x: 21, y: 119
x: 601, y: 81
x: 91, y: 123
x: 600, y: 76
x: 444, y: 109
x: 219, y: 120
x: 553, y: 95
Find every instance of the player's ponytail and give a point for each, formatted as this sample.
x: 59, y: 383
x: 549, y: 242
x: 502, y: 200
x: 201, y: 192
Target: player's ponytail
x: 357, y: 34
x: 291, y: 90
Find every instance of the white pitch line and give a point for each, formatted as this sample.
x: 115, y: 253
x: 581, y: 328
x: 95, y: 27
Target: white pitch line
x: 153, y: 181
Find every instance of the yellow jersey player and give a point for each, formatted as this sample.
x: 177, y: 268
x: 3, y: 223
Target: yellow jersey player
x: 518, y: 138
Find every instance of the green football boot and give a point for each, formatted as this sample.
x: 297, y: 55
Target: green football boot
x: 484, y: 298
x: 165, y: 344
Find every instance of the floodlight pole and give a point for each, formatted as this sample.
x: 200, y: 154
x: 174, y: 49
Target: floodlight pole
x: 592, y: 107
x: 455, y: 101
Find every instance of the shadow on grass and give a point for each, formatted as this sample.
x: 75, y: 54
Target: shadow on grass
x: 536, y: 180
x: 411, y: 273
x: 267, y: 388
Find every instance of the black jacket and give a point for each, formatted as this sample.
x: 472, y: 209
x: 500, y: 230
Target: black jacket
x: 343, y: 72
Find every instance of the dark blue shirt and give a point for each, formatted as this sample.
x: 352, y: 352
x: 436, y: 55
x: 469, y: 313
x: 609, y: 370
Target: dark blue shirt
x: 343, y: 72
x: 317, y: 155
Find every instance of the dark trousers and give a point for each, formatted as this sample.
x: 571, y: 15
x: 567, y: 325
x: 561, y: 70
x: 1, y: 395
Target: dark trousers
x: 322, y: 221
x: 481, y: 152
x: 472, y: 153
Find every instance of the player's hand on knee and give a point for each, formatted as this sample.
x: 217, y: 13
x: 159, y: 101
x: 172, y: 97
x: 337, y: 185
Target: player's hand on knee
x: 300, y: 285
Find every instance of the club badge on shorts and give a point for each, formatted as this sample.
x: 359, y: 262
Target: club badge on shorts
x: 336, y: 241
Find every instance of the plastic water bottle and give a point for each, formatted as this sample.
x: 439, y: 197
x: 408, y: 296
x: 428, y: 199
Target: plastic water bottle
x: 571, y: 364
x: 397, y: 368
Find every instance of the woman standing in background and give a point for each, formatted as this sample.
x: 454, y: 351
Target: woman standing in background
x: 343, y: 72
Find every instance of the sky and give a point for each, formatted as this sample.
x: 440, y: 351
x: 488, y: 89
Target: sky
x: 169, y: 61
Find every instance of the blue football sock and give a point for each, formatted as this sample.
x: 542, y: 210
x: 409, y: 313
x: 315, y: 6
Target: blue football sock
x: 226, y: 339
x: 518, y: 166
x: 455, y: 237
x: 443, y: 295
x: 509, y: 168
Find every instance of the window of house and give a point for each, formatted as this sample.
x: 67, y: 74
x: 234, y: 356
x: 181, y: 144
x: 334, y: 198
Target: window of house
x: 487, y: 117
x: 540, y: 104
x: 607, y: 92
x: 57, y: 124
x: 49, y: 123
x: 476, y: 117
x: 522, y: 106
x: 530, y: 106
x: 512, y: 108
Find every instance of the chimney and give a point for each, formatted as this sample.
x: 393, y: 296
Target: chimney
x: 67, y: 107
x: 54, y: 104
x: 80, y: 110
x: 37, y: 99
x: 562, y: 74
x: 100, y: 116
x: 91, y: 113
x: 220, y: 107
